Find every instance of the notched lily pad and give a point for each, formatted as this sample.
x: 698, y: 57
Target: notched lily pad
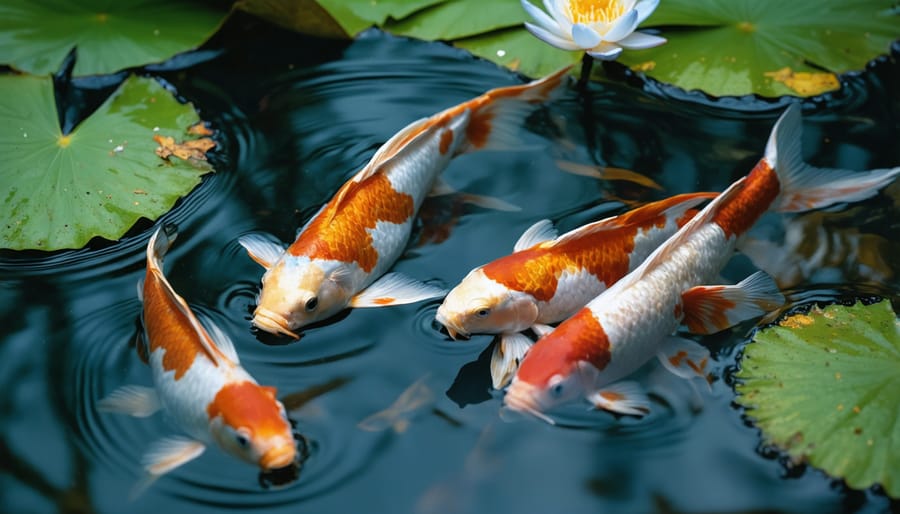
x: 824, y: 387
x: 35, y: 36
x: 767, y: 47
x: 59, y: 191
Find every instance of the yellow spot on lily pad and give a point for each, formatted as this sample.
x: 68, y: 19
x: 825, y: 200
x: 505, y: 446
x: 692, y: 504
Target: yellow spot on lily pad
x: 64, y: 141
x: 800, y: 320
x: 805, y: 83
x: 644, y: 66
x: 746, y: 26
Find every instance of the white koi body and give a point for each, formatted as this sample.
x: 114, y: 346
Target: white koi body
x: 548, y: 278
x: 199, y: 383
x: 631, y: 322
x: 359, y: 234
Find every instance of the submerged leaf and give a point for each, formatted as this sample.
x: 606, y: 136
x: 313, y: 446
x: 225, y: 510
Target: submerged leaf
x: 59, y: 191
x: 824, y: 387
x: 35, y: 36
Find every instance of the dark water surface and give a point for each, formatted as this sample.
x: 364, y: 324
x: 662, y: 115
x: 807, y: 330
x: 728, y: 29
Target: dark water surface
x: 297, y: 117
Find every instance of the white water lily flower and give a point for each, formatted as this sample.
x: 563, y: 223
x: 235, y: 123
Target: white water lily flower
x: 602, y: 28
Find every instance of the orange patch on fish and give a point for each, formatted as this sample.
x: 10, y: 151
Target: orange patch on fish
x: 446, y: 141
x: 384, y: 301
x: 343, y: 235
x: 676, y: 359
x: 168, y: 328
x: 248, y: 405
x: 754, y: 198
x: 704, y: 307
x: 604, y: 254
x: 612, y: 396
x: 698, y: 368
x: 579, y: 338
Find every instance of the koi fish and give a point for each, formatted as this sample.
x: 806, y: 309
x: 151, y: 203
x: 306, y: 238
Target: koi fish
x: 548, y: 278
x: 199, y: 383
x: 339, y: 255
x: 632, y: 321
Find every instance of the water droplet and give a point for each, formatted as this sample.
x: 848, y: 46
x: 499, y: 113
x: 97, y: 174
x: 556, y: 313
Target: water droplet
x: 501, y: 53
x: 155, y: 129
x: 24, y: 134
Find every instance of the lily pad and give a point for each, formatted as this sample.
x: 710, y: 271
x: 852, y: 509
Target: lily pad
x: 767, y: 47
x: 824, y: 387
x: 59, y: 191
x: 36, y: 35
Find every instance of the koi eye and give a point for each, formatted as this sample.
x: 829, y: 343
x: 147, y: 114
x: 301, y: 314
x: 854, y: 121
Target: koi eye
x: 312, y: 303
x: 482, y: 313
x: 557, y: 386
x: 242, y: 440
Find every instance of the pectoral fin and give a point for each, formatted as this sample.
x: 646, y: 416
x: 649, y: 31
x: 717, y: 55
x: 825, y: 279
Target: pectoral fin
x: 541, y: 329
x: 540, y: 232
x: 508, y: 353
x: 164, y: 456
x: 711, y: 309
x: 685, y: 358
x: 169, y: 453
x: 261, y: 249
x: 395, y: 289
x: 624, y: 397
x: 137, y: 401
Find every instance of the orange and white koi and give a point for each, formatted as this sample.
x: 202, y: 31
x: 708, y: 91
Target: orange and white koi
x: 548, y: 278
x: 199, y: 383
x: 358, y: 235
x: 632, y: 321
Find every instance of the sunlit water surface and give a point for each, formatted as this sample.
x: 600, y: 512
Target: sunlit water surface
x: 292, y: 129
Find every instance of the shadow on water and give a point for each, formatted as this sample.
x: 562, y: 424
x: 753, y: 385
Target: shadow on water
x: 296, y: 117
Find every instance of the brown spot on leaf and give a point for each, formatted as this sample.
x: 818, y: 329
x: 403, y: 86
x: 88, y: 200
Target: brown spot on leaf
x: 805, y: 83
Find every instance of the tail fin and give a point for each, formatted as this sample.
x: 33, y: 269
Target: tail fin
x: 498, y: 114
x: 804, y: 187
x: 159, y: 244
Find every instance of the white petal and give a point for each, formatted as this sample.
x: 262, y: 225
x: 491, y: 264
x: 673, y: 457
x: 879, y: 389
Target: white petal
x: 550, y: 39
x: 605, y: 51
x: 559, y: 13
x: 542, y: 19
x: 639, y: 41
x: 622, y: 27
x: 584, y: 36
x: 645, y: 8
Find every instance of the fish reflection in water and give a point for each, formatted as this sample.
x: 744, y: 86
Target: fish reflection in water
x: 199, y: 383
x: 413, y: 401
x: 824, y: 247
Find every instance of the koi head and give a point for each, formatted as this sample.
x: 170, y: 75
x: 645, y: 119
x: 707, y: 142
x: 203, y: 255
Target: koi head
x: 250, y: 423
x: 479, y: 305
x: 296, y: 292
x: 552, y: 373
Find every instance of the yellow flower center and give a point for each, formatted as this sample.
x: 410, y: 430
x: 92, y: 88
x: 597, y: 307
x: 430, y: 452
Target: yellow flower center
x: 592, y: 11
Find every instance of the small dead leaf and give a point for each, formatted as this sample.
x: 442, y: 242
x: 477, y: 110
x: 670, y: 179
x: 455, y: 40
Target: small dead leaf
x: 199, y: 129
x: 191, y: 149
x: 797, y: 321
x: 805, y: 83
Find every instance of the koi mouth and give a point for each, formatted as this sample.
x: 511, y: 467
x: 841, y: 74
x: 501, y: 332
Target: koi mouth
x: 522, y: 397
x: 453, y: 329
x: 267, y: 320
x: 277, y: 457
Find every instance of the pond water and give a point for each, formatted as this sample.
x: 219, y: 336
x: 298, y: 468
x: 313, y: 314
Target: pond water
x: 296, y: 117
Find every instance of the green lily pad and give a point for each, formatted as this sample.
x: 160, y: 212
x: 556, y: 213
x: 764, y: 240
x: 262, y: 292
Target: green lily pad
x: 59, y: 191
x: 767, y: 47
x: 357, y: 15
x: 824, y: 387
x: 36, y: 35
x: 458, y: 19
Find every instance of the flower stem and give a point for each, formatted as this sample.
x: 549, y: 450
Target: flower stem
x: 587, y: 63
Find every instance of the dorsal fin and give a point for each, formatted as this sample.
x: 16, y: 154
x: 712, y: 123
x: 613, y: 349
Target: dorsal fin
x: 584, y: 230
x: 156, y: 250
x: 664, y: 251
x: 540, y: 232
x: 384, y: 154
